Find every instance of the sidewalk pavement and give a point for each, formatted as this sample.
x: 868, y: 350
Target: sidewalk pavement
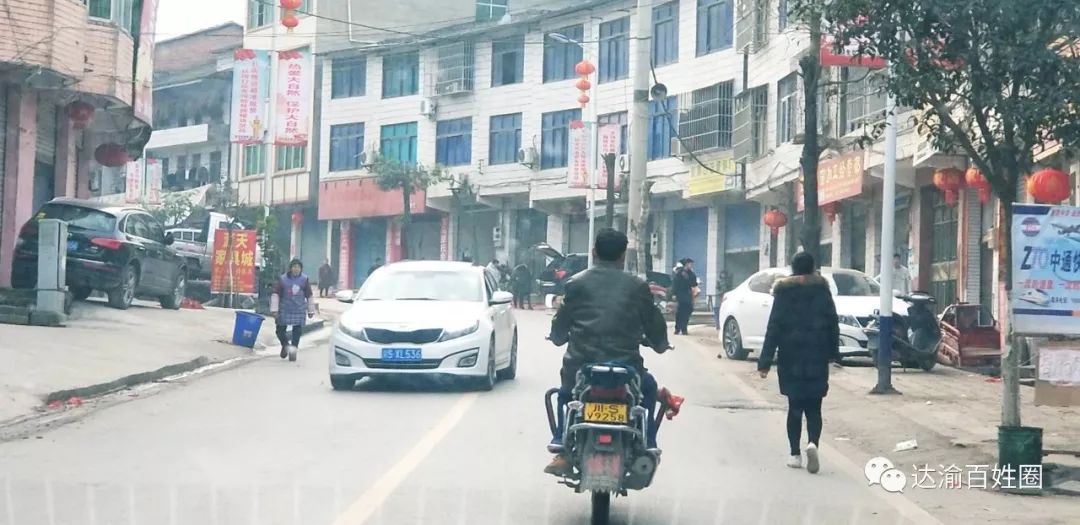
x: 102, y: 349
x: 953, y: 415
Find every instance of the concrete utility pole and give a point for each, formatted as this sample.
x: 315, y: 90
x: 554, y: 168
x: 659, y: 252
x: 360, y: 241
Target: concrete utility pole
x: 609, y: 165
x: 639, y: 144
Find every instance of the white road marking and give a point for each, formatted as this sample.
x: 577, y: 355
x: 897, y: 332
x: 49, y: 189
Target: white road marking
x: 360, y: 510
x: 904, y: 506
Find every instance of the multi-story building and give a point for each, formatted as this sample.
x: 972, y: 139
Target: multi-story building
x: 192, y: 88
x: 75, y: 76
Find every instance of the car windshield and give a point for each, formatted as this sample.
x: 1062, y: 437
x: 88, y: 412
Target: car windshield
x: 855, y: 284
x: 78, y: 217
x: 417, y: 285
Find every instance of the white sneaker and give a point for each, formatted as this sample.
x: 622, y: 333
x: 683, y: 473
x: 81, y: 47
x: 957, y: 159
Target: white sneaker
x: 812, y: 465
x: 795, y: 461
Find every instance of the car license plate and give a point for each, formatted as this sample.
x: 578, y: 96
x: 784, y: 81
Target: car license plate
x: 72, y: 246
x: 401, y: 355
x: 605, y: 413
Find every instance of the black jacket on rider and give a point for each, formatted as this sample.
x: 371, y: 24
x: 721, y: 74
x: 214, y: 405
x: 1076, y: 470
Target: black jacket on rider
x: 803, y: 335
x: 603, y: 316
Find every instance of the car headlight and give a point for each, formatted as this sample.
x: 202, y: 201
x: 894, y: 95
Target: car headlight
x: 850, y: 320
x: 460, y: 332
x: 355, y: 333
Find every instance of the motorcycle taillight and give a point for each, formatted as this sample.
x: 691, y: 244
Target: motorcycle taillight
x: 608, y: 394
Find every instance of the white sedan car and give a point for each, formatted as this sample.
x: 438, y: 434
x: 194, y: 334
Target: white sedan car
x: 744, y: 311
x: 426, y: 317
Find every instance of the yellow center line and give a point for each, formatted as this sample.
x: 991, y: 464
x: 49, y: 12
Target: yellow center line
x: 369, y: 502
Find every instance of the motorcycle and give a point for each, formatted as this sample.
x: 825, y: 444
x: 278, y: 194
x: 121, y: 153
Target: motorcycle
x: 915, y: 337
x: 605, y: 433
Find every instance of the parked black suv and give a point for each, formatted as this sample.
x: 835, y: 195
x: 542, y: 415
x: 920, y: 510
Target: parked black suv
x: 120, y: 250
x: 560, y: 269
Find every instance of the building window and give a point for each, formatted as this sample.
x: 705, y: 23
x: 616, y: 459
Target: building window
x: 346, y: 146
x: 508, y: 61
x: 561, y: 57
x: 619, y: 119
x: 254, y: 160
x: 398, y: 142
x: 615, y: 50
x: 782, y: 14
x: 787, y: 108
x: 348, y: 77
x: 505, y: 140
x: 943, y: 249
x: 215, y: 166
x: 490, y: 10
x: 715, y: 25
x: 864, y: 98
x: 661, y: 122
x: 453, y: 142
x: 400, y: 75
x: 454, y: 68
x: 122, y: 12
x: 759, y: 121
x: 705, y: 120
x: 555, y: 137
x: 291, y: 157
x: 259, y: 13
x: 665, y: 47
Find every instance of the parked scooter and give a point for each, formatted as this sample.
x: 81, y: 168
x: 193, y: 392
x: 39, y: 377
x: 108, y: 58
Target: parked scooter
x: 915, y: 337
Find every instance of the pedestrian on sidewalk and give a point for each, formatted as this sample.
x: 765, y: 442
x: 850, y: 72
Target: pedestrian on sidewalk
x: 326, y: 278
x: 522, y: 283
x: 803, y: 336
x: 684, y: 284
x: 291, y: 305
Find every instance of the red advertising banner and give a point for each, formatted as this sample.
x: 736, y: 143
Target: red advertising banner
x: 848, y: 56
x: 293, y: 98
x: 578, y: 168
x: 345, y: 275
x: 444, y: 238
x: 233, y: 254
x: 838, y: 179
x: 610, y: 144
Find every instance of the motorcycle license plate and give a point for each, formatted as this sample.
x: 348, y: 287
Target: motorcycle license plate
x: 605, y: 413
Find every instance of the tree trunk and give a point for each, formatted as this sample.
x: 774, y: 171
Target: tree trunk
x: 641, y: 230
x: 810, y: 236
x: 406, y: 219
x: 609, y: 163
x: 1010, y: 361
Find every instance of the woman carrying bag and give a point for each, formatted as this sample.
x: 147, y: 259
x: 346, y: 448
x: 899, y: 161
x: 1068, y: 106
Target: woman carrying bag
x: 291, y: 305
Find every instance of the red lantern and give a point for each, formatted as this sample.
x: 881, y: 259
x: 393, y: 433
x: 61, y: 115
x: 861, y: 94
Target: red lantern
x: 975, y: 179
x: 290, y: 4
x: 831, y: 209
x: 111, y: 155
x: 949, y: 180
x: 584, y: 68
x: 290, y: 21
x: 583, y: 84
x: 1049, y: 186
x: 583, y: 99
x: 80, y: 113
x: 775, y: 219
x: 297, y: 217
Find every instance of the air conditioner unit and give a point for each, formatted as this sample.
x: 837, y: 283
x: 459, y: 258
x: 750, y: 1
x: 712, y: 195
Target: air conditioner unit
x: 622, y: 163
x: 448, y: 88
x: 677, y: 149
x: 527, y: 156
x: 368, y: 155
x: 428, y: 108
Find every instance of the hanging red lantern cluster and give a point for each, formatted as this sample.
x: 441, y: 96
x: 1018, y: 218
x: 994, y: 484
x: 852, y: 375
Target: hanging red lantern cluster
x: 831, y: 210
x: 775, y: 219
x: 1049, y: 186
x: 584, y: 69
x: 297, y: 217
x: 288, y: 16
x: 80, y: 114
x: 949, y: 180
x: 111, y: 155
x: 975, y: 179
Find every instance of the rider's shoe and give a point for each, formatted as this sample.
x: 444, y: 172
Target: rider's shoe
x: 284, y: 351
x: 559, y: 466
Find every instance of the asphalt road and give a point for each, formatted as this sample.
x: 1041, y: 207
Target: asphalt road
x: 271, y: 443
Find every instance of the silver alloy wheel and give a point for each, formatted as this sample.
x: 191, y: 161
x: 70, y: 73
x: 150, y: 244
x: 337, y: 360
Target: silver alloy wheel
x: 129, y: 286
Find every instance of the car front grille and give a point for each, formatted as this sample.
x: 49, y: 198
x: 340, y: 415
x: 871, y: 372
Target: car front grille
x: 423, y: 364
x: 416, y: 337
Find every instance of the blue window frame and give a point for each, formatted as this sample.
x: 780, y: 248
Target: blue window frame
x: 660, y: 129
x: 620, y: 119
x: 453, y: 142
x: 346, y: 146
x: 555, y: 137
x: 782, y: 13
x: 398, y: 142
x: 715, y: 25
x: 561, y: 57
x: 505, y: 140
x: 400, y: 75
x: 665, y: 42
x: 508, y: 61
x: 614, y: 50
x: 348, y: 77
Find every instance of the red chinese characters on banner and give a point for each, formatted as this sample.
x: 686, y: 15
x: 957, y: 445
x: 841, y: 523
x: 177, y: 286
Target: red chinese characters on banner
x: 249, y: 92
x: 134, y: 174
x: 578, y: 164
x: 610, y: 144
x: 293, y: 99
x: 233, y: 254
x: 444, y: 238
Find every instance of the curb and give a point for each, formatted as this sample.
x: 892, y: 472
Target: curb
x: 128, y: 381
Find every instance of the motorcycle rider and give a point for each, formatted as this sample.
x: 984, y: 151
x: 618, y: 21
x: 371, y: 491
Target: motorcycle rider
x: 603, y: 316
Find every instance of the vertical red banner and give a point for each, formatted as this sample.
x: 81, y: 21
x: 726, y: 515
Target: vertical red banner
x: 393, y: 241
x: 444, y: 238
x: 345, y: 274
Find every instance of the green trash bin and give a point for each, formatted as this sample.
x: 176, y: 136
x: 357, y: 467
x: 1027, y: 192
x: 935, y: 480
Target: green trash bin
x: 1019, y: 446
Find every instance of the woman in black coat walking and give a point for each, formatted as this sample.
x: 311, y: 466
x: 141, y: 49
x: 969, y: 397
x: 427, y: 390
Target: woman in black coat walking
x: 803, y: 336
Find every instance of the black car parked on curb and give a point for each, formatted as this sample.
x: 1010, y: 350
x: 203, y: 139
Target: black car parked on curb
x: 120, y: 250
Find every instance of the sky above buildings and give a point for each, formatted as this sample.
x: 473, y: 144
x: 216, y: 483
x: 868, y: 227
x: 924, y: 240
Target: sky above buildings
x: 180, y: 17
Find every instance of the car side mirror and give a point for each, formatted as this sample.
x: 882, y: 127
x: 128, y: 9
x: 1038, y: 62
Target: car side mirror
x: 169, y: 239
x: 501, y: 297
x: 345, y: 296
